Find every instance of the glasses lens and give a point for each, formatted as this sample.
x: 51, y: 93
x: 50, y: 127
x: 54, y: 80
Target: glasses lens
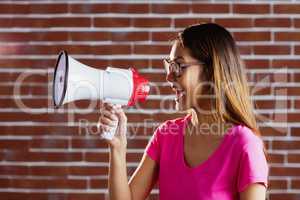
x: 175, y: 68
x: 172, y: 67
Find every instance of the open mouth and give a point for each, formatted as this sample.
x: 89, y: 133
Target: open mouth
x: 179, y: 94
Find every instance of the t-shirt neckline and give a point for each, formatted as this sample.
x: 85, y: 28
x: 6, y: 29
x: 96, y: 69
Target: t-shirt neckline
x: 211, y: 156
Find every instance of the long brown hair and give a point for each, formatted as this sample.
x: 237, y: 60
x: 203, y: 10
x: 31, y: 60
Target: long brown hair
x: 213, y: 45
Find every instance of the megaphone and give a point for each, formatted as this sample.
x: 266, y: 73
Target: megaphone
x: 76, y: 81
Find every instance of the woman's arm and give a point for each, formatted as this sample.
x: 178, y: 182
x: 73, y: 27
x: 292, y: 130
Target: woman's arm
x: 141, y: 182
x: 144, y: 176
x: 255, y: 191
x: 117, y: 176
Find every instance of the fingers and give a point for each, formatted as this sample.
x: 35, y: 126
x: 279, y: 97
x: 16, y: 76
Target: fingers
x: 108, y: 118
x: 103, y: 127
x: 120, y: 114
x: 116, y: 110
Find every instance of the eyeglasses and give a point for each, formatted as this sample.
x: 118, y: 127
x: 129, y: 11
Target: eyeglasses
x: 175, y: 68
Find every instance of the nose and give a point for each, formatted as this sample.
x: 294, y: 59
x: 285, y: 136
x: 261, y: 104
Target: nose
x: 173, y: 83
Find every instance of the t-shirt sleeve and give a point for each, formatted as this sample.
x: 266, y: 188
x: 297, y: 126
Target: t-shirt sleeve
x: 253, y: 166
x: 153, y: 148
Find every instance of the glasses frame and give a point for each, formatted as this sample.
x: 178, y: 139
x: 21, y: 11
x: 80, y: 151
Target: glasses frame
x: 175, y: 68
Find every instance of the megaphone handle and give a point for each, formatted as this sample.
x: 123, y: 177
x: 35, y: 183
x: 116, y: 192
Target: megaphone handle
x: 110, y: 134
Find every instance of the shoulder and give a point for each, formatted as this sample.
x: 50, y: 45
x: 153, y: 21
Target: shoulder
x: 171, y: 127
x: 246, y: 137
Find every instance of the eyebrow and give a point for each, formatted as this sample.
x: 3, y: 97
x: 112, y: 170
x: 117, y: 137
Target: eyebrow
x: 178, y: 57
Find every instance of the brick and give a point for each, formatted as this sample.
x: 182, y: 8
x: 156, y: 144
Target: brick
x: 293, y: 158
x: 184, y: 22
x: 96, y: 143
x: 252, y: 36
x: 89, y: 8
x: 30, y: 77
x: 285, y: 144
x: 260, y: 90
x: 271, y: 49
x: 45, y: 22
x: 125, y: 63
x: 297, y: 104
x: 39, y: 195
x: 210, y: 8
x: 58, y: 171
x: 104, y: 157
x: 49, y: 49
x: 285, y: 63
x: 129, y: 8
x: 109, y: 8
x: 111, y: 22
x: 286, y: 8
x: 48, y: 184
x: 284, y: 171
x: 287, y: 36
x: 295, y: 184
x: 61, y: 130
x: 151, y: 49
x: 33, y: 8
x: 273, y: 131
x: 297, y: 22
x: 278, y: 184
x: 98, y: 183
x: 14, y: 144
x: 151, y: 22
x: 272, y: 22
x: 273, y: 104
x: 163, y: 36
x: 245, y: 49
x: 251, y: 8
x: 167, y: 8
x: 25, y: 155
x: 257, y: 63
x: 49, y: 143
x: 297, y: 49
x: 276, y: 158
x: 111, y: 49
x: 290, y: 91
x: 24, y: 90
x: 14, y: 170
x: 130, y: 36
x: 89, y: 36
x: 235, y: 22
x: 33, y: 36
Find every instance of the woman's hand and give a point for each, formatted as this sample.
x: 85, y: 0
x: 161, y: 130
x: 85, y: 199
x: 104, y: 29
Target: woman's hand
x: 111, y: 114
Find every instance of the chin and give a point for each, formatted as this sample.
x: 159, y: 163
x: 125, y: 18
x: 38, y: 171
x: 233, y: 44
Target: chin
x: 181, y: 106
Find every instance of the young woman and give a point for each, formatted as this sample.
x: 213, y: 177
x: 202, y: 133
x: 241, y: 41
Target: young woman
x: 215, y: 150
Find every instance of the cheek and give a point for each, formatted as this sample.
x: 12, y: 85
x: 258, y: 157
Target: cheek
x: 192, y: 82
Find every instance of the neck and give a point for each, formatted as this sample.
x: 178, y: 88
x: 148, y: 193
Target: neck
x: 206, y: 124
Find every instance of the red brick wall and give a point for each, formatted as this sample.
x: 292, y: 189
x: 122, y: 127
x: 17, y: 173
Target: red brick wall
x: 46, y: 156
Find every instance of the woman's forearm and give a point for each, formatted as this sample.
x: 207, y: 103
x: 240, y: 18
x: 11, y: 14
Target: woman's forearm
x: 117, y: 180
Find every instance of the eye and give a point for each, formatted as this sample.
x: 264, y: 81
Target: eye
x: 183, y: 65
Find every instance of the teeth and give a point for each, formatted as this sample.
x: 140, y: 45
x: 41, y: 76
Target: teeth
x: 179, y: 94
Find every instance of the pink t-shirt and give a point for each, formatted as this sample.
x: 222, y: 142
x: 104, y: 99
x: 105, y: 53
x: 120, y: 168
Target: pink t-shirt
x: 238, y: 161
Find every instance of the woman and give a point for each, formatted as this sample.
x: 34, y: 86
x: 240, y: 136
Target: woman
x: 215, y: 151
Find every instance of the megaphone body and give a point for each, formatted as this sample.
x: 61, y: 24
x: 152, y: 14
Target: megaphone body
x: 76, y: 81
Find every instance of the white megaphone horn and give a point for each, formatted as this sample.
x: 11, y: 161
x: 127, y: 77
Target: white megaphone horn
x: 76, y: 81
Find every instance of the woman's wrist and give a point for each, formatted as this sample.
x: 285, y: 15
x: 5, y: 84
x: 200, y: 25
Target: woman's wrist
x: 118, y: 151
